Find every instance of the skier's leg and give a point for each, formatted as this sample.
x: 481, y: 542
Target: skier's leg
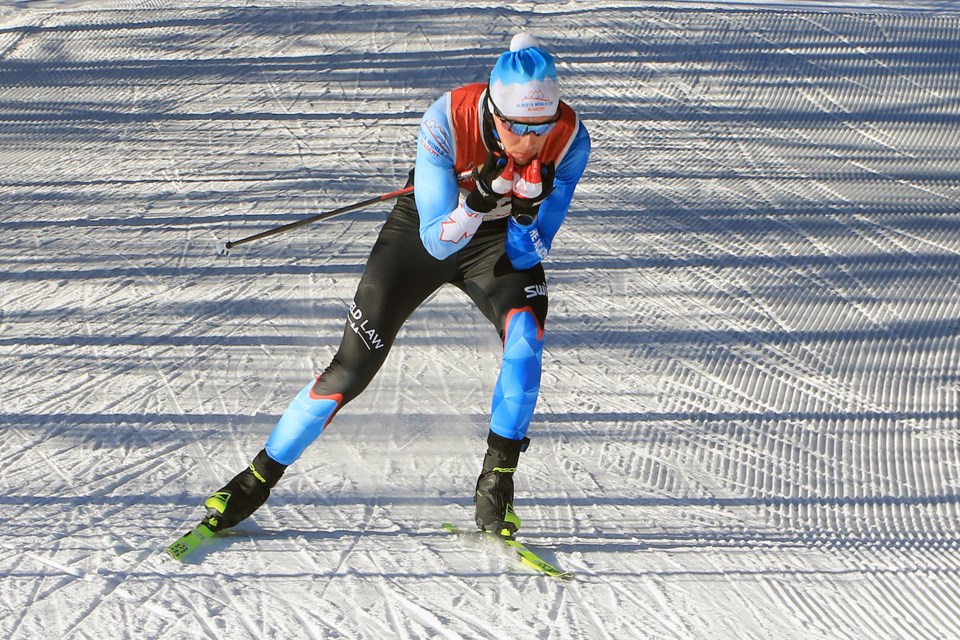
x: 518, y: 385
x: 514, y: 399
x: 516, y: 303
x: 398, y: 277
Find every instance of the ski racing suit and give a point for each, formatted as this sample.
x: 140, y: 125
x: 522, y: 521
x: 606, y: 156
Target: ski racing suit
x: 429, y: 240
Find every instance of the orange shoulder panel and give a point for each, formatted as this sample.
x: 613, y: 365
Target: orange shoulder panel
x: 465, y: 123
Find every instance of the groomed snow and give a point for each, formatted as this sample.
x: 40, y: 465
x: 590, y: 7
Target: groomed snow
x: 749, y: 424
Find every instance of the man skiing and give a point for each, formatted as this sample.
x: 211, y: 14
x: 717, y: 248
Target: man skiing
x: 526, y: 150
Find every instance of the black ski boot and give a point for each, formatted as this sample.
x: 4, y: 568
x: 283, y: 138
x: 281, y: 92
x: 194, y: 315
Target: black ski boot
x: 244, y: 494
x: 494, y: 494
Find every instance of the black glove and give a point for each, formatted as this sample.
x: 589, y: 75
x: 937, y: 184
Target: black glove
x: 494, y: 180
x: 525, y: 203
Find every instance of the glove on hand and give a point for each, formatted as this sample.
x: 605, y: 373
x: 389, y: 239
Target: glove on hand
x: 494, y: 181
x: 531, y: 187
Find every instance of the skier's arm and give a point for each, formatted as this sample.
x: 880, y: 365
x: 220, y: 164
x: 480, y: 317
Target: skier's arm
x: 528, y: 244
x: 445, y: 226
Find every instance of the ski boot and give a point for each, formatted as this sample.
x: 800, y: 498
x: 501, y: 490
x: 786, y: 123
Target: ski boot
x: 243, y: 494
x: 494, y: 493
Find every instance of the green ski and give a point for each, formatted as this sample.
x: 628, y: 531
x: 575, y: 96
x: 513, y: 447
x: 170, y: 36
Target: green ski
x: 524, y: 554
x: 189, y: 542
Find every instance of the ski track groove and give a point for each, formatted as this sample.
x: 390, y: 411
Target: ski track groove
x: 106, y: 592
x: 202, y: 617
x: 458, y: 609
x: 808, y: 614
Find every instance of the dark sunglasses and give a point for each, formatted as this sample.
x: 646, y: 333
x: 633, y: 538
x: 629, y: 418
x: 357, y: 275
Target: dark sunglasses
x: 523, y: 128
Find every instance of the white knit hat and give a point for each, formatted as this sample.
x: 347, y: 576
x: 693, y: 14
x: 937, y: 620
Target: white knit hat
x: 523, y: 83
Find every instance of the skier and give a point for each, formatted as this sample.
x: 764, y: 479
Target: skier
x: 527, y: 150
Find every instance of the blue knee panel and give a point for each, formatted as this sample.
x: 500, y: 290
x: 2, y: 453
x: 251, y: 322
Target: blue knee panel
x: 515, y: 395
x: 301, y: 424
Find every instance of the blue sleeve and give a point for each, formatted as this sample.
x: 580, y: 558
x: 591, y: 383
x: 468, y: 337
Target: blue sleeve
x: 528, y: 245
x: 436, y: 191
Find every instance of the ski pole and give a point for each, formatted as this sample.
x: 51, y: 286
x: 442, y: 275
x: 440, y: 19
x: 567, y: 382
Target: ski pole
x: 223, y: 248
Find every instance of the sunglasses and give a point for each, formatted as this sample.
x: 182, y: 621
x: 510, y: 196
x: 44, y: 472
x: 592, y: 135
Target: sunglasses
x: 523, y: 128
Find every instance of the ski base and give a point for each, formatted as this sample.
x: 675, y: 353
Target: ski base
x: 189, y: 542
x: 524, y: 554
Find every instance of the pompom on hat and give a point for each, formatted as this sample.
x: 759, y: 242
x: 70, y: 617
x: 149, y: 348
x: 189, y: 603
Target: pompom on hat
x: 523, y: 83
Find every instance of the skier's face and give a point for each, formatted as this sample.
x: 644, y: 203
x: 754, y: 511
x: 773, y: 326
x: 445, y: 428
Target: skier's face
x: 523, y: 148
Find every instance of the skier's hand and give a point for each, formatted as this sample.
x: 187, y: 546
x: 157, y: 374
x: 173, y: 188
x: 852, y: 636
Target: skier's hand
x: 532, y: 185
x: 494, y: 180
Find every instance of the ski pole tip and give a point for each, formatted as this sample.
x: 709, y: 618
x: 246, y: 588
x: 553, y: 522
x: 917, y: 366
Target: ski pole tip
x: 223, y: 248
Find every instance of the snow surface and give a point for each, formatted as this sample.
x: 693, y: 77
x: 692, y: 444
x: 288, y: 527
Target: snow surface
x: 749, y: 424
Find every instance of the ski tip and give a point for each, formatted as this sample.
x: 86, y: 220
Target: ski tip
x: 188, y: 542
x: 179, y: 550
x: 524, y: 554
x: 531, y: 560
